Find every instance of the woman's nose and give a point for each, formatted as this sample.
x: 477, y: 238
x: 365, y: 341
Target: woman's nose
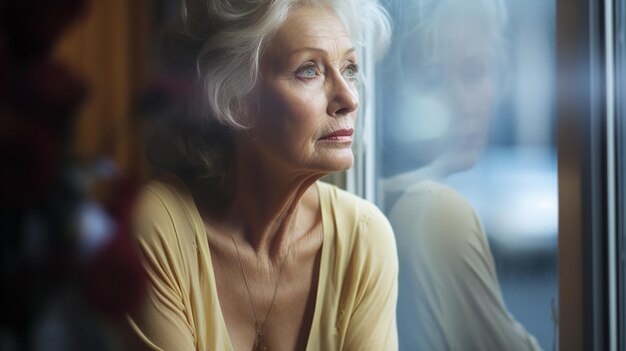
x: 342, y: 99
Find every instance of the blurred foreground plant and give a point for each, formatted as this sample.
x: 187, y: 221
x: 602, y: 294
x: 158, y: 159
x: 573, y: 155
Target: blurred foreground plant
x: 69, y: 267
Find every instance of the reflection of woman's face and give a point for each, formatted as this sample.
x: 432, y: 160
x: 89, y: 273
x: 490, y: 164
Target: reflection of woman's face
x: 307, y: 95
x: 467, y: 69
x: 458, y: 83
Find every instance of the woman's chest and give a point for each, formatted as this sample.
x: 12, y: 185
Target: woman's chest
x: 271, y: 306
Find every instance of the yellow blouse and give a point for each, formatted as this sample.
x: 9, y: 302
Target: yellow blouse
x: 356, y: 294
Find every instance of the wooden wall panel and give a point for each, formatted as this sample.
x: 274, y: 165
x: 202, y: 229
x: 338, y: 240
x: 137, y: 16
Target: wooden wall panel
x: 109, y: 47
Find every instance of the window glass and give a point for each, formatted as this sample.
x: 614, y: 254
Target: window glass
x: 466, y: 171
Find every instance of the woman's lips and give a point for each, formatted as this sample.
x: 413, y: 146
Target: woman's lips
x: 340, y: 135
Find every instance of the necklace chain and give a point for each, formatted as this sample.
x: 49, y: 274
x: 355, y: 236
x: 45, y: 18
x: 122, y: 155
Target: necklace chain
x: 258, y: 324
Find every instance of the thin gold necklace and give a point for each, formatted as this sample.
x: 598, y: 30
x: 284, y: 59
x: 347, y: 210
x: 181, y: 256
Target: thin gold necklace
x: 259, y: 341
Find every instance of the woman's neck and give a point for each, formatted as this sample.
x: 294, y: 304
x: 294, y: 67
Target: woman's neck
x: 267, y: 205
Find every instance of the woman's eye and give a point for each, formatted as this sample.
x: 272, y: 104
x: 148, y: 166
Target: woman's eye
x: 308, y: 71
x: 432, y: 78
x: 351, y: 71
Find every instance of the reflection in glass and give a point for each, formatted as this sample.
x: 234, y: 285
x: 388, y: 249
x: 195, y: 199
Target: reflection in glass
x: 466, y: 165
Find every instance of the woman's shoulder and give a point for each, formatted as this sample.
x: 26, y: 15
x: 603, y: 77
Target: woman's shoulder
x: 432, y: 200
x: 164, y: 208
x: 433, y: 190
x: 351, y: 206
x: 431, y: 214
x: 168, y: 188
x: 357, y: 219
x: 166, y: 232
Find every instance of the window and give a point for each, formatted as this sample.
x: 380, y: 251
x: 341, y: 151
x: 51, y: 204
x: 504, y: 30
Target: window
x: 474, y: 104
x: 464, y: 166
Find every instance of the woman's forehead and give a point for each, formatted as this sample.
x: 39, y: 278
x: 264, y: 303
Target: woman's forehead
x: 311, y: 28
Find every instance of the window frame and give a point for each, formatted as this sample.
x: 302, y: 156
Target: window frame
x: 587, y: 175
x: 620, y: 124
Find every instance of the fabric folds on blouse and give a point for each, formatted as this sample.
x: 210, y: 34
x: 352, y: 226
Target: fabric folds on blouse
x: 355, y: 307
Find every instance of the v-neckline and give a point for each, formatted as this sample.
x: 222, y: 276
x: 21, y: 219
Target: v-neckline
x: 321, y: 283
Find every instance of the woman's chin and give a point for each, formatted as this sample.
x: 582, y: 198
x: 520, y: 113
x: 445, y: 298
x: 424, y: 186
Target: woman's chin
x: 338, y: 161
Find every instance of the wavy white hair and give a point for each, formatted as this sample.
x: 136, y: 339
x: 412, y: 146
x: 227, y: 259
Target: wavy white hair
x: 229, y: 37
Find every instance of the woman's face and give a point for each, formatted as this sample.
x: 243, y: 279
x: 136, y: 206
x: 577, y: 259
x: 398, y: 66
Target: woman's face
x: 470, y: 84
x: 307, y: 96
x: 451, y: 96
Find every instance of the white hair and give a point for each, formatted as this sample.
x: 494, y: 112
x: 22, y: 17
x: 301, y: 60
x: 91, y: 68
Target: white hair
x: 421, y: 22
x: 230, y: 36
x: 223, y: 42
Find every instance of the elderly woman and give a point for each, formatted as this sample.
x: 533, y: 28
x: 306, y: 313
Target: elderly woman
x: 244, y: 247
